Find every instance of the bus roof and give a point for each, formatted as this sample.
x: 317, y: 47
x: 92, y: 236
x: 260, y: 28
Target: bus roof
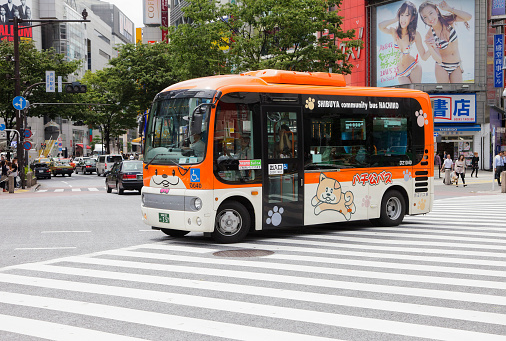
x: 286, y: 82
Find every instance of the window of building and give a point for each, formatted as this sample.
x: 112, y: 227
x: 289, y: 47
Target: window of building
x: 101, y: 36
x: 103, y: 54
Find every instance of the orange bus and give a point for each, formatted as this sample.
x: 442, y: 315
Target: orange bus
x: 271, y: 149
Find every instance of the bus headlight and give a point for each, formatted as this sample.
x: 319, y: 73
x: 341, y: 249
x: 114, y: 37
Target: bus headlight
x: 143, y: 200
x: 197, y: 203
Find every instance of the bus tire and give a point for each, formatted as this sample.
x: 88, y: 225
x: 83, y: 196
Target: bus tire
x: 393, y: 208
x: 232, y: 223
x: 175, y: 233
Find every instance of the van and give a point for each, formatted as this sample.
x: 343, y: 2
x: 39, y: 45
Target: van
x: 105, y: 163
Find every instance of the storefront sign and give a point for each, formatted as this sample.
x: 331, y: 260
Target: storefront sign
x: 152, y: 12
x: 460, y: 108
x: 498, y: 59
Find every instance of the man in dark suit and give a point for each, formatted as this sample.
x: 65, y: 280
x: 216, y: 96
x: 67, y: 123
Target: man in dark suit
x: 22, y: 10
x: 9, y: 9
x: 4, y: 20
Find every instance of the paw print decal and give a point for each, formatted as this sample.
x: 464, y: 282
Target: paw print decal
x: 407, y: 175
x: 310, y: 103
x: 275, y: 216
x: 366, y: 202
x: 421, y: 118
x: 421, y: 204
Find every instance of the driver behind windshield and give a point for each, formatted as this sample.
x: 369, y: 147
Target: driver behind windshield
x: 197, y: 145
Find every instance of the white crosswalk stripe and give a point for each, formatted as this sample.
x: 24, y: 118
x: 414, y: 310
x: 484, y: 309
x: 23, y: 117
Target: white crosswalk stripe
x: 60, y: 190
x: 440, y: 276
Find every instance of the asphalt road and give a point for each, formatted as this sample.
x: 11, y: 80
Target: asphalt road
x: 78, y: 264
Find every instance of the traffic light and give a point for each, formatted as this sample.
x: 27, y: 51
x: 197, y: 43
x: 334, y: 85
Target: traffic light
x: 75, y: 88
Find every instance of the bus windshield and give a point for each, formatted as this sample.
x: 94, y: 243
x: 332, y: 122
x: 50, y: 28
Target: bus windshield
x: 175, y: 132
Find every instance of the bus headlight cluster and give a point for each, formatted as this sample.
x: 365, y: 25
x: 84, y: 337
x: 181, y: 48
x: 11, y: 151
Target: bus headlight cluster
x: 197, y: 203
x: 143, y: 199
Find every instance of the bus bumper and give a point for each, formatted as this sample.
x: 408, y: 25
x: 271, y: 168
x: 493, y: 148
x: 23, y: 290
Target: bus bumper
x: 177, y: 210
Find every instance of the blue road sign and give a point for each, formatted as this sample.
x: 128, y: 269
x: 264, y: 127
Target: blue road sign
x: 27, y: 145
x: 27, y: 133
x: 19, y: 102
x: 2, y: 127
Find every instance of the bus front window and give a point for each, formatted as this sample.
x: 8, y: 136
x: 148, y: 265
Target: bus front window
x: 175, y: 132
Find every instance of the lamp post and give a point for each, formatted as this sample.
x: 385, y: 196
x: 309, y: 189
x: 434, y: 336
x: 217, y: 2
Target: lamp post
x: 17, y: 81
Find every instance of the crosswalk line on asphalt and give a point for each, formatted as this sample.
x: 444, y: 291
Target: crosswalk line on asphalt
x: 407, y: 308
x: 55, y: 331
x: 167, y: 321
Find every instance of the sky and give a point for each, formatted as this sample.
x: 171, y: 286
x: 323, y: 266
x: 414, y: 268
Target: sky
x: 131, y: 8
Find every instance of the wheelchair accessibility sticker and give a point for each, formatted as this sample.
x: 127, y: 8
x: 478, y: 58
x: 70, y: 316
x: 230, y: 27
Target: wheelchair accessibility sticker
x: 194, y: 175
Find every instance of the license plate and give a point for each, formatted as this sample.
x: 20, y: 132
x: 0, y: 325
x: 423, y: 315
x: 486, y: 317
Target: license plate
x: 163, y: 218
x: 40, y: 171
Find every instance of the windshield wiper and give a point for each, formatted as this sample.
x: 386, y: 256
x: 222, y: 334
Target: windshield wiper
x: 172, y: 161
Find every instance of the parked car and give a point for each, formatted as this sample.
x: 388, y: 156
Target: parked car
x: 61, y: 167
x: 106, y: 162
x: 41, y: 170
x: 126, y: 175
x: 86, y: 166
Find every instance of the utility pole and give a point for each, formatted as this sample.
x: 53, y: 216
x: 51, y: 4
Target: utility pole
x: 17, y: 83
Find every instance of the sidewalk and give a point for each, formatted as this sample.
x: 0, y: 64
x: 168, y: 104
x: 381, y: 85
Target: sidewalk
x: 480, y: 185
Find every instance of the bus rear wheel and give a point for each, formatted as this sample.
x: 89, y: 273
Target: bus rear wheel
x: 232, y: 223
x: 175, y: 233
x: 393, y: 208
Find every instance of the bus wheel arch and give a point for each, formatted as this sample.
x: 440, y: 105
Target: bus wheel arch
x: 394, y: 206
x: 234, y: 219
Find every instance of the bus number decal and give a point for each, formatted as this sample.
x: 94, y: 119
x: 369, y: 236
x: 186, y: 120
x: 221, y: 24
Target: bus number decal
x: 372, y: 178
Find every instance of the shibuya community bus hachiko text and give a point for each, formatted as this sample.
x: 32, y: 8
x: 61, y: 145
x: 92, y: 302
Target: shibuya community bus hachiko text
x: 21, y: 9
x: 271, y: 149
x: 425, y: 42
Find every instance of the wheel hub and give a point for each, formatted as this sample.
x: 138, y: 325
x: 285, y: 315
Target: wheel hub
x: 229, y: 222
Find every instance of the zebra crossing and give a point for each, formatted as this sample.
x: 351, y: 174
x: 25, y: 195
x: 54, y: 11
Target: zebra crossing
x: 74, y: 189
x: 441, y: 276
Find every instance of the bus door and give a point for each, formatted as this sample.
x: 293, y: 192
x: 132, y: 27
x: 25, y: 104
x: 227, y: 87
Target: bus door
x: 283, y: 167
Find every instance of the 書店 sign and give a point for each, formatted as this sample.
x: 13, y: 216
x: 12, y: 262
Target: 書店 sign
x: 458, y: 108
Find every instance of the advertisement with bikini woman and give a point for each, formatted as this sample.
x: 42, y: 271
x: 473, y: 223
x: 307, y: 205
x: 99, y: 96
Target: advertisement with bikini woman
x: 418, y: 42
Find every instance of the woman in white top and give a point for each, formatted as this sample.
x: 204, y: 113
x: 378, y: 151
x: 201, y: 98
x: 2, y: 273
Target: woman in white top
x: 447, y: 167
x: 460, y: 170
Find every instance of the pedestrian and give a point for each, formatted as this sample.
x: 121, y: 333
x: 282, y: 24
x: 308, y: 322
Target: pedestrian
x: 14, y: 171
x: 499, y: 166
x: 460, y: 170
x: 474, y: 164
x: 437, y: 162
x: 3, y: 175
x: 6, y: 170
x: 447, y: 166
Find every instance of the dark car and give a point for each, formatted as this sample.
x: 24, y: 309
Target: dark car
x: 125, y: 175
x: 41, y: 170
x: 86, y: 166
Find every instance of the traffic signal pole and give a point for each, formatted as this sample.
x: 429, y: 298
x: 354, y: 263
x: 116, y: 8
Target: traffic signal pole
x: 17, y: 84
x: 17, y: 92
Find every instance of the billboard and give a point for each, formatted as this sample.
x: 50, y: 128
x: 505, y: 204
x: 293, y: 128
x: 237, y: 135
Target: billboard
x: 152, y: 12
x: 19, y: 8
x: 429, y: 42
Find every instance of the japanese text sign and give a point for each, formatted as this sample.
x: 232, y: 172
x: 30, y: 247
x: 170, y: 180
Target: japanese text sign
x: 459, y: 108
x: 498, y: 60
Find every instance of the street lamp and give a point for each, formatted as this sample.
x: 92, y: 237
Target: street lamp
x: 17, y: 79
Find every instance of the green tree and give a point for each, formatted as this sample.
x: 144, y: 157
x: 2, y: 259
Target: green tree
x: 108, y: 113
x: 279, y: 34
x: 140, y: 72
x: 33, y: 65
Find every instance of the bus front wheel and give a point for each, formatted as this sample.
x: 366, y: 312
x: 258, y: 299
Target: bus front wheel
x: 175, y: 233
x: 232, y: 223
x: 393, y: 208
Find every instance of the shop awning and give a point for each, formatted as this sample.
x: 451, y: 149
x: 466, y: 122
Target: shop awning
x: 137, y: 140
x: 457, y: 127
x: 81, y: 145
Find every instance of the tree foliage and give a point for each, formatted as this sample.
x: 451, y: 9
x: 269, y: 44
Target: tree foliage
x: 106, y: 112
x: 298, y: 35
x: 33, y: 65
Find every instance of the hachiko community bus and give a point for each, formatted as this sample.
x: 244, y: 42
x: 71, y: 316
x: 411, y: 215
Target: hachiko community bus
x: 271, y: 149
